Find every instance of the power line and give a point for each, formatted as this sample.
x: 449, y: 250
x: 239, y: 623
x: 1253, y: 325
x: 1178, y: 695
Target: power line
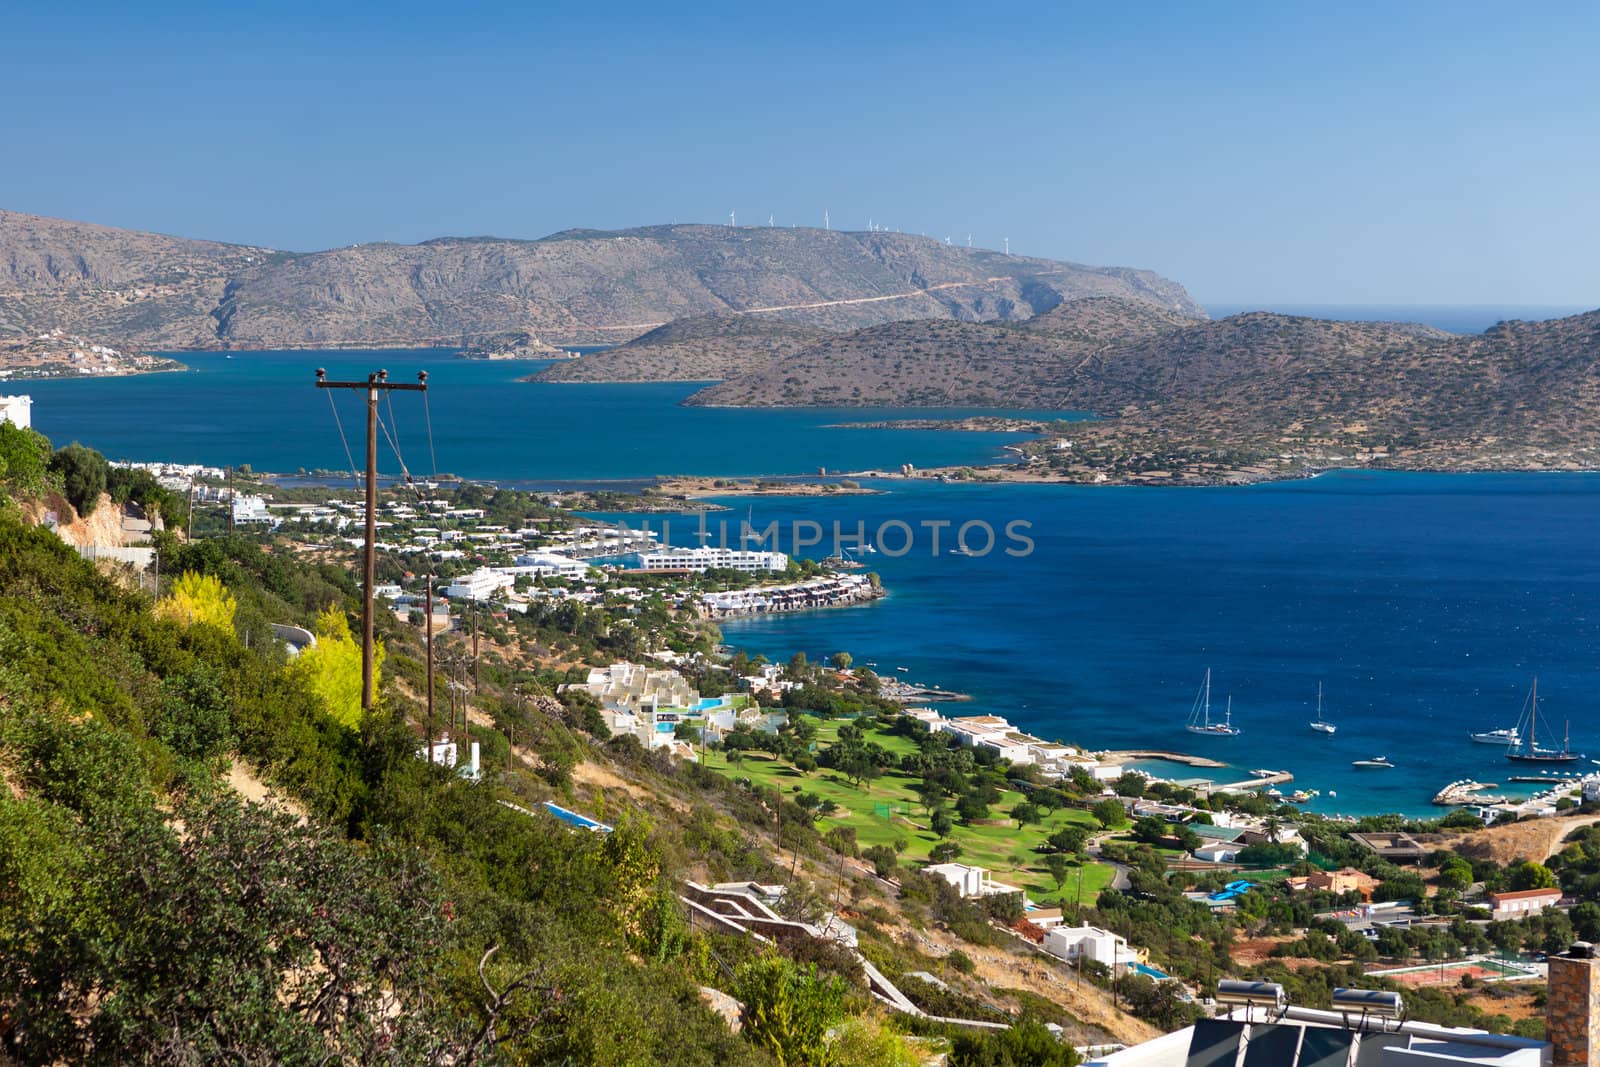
x: 377, y: 382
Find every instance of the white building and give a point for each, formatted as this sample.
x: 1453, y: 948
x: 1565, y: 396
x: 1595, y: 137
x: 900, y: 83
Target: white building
x: 634, y: 688
x: 710, y: 557
x: 17, y: 410
x: 481, y: 584
x: 252, y: 510
x: 551, y: 564
x: 969, y: 881
x: 1218, y: 852
x: 446, y: 753
x: 1091, y: 943
x: 1522, y: 903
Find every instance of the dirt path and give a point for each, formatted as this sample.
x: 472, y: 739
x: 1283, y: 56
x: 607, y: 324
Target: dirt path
x: 824, y: 303
x: 243, y: 781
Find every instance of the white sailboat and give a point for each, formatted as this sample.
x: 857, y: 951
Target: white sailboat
x: 1321, y: 725
x: 1200, y: 714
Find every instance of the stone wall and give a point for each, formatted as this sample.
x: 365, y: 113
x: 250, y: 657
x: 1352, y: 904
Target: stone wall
x: 1573, y: 1014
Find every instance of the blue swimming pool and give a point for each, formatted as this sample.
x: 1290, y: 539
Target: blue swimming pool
x: 582, y: 822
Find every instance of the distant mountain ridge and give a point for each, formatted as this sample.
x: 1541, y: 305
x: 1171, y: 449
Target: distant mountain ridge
x: 577, y: 286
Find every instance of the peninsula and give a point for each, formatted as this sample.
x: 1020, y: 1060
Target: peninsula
x: 1244, y: 398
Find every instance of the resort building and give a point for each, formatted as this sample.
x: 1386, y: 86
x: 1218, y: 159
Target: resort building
x: 551, y: 564
x: 710, y: 557
x: 1092, y: 943
x: 252, y: 511
x: 1344, y: 880
x: 1219, y: 851
x: 635, y: 687
x: 969, y: 881
x: 1395, y: 847
x: 17, y: 410
x: 1007, y: 742
x: 1520, y: 904
x: 828, y: 592
x: 481, y: 584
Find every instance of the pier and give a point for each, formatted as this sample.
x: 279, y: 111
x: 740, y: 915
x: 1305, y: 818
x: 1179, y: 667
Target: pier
x: 1170, y: 757
x: 1256, y: 782
x: 1467, y: 791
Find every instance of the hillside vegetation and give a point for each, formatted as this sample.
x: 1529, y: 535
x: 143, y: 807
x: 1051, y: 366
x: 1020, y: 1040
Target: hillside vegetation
x: 378, y: 909
x: 701, y: 348
x: 1261, y: 391
x: 578, y: 286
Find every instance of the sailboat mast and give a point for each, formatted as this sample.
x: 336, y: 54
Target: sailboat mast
x: 1207, y: 701
x: 1533, y: 721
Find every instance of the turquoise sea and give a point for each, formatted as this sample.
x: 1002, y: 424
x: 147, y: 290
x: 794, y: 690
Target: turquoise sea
x: 1424, y: 603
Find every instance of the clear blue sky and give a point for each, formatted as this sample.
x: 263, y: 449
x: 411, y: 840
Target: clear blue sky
x: 1394, y: 153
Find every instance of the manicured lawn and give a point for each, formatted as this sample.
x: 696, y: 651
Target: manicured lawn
x: 887, y: 809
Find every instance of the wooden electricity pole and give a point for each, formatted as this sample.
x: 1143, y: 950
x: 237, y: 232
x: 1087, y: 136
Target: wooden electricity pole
x: 377, y: 382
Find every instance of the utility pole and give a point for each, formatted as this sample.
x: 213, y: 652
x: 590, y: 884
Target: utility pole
x: 377, y: 382
x: 231, y: 510
x: 427, y: 629
x: 474, y: 646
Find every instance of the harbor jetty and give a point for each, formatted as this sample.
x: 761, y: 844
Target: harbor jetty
x: 1259, y: 780
x: 1467, y: 791
x: 1132, y: 755
x: 912, y: 693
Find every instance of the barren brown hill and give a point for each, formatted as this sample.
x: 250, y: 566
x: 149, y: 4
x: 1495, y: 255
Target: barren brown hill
x: 1249, y: 396
x: 579, y: 286
x: 702, y: 348
x: 1102, y: 320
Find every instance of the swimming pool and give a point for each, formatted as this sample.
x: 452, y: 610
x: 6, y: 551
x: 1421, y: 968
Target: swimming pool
x: 572, y: 818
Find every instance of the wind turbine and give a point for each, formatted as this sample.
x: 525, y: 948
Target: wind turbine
x: 1008, y: 245
x: 769, y: 219
x: 825, y: 224
x: 969, y: 240
x: 732, y: 219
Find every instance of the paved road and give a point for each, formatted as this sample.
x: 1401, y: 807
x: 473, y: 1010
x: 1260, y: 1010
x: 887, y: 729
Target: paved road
x: 1119, y: 875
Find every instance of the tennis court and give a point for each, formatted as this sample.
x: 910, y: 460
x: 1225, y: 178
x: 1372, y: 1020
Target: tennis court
x: 1450, y: 972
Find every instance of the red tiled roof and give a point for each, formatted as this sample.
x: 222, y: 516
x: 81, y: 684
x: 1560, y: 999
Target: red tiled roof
x: 1525, y: 894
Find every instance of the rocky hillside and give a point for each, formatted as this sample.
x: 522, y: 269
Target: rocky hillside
x: 1255, y: 391
x: 1101, y: 355
x: 701, y: 348
x: 1099, y: 320
x: 580, y: 286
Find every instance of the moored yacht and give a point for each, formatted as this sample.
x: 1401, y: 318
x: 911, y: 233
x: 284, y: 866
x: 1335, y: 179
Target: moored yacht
x: 1319, y: 724
x: 1503, y: 738
x: 1529, y: 751
x: 1375, y: 761
x: 1200, y: 714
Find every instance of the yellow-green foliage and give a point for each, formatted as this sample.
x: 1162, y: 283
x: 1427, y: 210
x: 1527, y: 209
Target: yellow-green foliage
x: 332, y: 667
x: 866, y: 1042
x: 198, y: 598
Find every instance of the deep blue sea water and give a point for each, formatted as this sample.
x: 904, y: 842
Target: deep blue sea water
x: 1425, y: 603
x: 262, y: 408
